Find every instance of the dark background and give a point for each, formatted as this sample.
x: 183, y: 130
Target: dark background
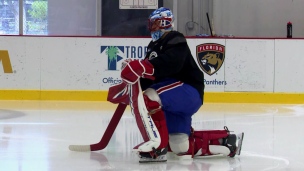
x: 124, y: 22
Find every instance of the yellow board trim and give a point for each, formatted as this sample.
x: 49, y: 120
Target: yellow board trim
x: 65, y: 95
x: 210, y: 97
x: 254, y: 97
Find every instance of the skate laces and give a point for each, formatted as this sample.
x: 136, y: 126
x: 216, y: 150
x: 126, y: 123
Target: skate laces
x: 226, y: 128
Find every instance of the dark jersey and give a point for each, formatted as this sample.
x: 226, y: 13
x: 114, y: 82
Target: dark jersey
x: 172, y: 58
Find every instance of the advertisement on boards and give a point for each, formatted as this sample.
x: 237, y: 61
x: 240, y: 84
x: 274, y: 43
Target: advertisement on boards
x: 6, y: 62
x: 210, y: 58
x: 113, y: 56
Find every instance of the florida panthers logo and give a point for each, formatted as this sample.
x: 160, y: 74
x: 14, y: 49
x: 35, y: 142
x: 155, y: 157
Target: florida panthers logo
x: 210, y: 57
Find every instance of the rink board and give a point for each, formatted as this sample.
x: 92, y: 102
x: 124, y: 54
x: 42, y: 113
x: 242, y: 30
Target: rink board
x: 83, y: 68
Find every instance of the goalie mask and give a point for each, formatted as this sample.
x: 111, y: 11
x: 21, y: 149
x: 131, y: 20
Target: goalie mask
x: 160, y: 21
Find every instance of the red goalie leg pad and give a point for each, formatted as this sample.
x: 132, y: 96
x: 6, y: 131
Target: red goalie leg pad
x: 202, y: 139
x: 209, y: 138
x: 159, y: 120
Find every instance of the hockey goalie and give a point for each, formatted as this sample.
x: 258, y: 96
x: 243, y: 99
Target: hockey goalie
x: 164, y: 91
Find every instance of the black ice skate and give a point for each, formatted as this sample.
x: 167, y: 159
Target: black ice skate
x: 231, y: 142
x: 155, y: 156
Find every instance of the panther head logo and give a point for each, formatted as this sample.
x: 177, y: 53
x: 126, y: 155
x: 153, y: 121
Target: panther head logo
x: 210, y: 57
x: 212, y: 62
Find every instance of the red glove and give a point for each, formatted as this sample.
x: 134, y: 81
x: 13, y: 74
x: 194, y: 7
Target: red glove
x: 136, y: 69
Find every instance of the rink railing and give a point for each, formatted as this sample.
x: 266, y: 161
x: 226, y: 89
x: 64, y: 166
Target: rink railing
x: 83, y: 68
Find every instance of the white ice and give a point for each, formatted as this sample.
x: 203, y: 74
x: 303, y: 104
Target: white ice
x: 35, y: 135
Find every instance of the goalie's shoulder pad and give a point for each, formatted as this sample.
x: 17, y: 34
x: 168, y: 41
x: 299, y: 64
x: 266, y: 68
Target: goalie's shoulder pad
x: 176, y: 38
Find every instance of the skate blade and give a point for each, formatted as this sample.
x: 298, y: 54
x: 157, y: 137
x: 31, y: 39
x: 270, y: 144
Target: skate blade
x: 189, y: 157
x: 162, y: 158
x: 152, y: 161
x: 208, y: 156
x: 240, y: 138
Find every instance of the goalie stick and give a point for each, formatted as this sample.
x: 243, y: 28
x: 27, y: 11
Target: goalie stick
x: 107, y: 134
x: 211, y: 31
